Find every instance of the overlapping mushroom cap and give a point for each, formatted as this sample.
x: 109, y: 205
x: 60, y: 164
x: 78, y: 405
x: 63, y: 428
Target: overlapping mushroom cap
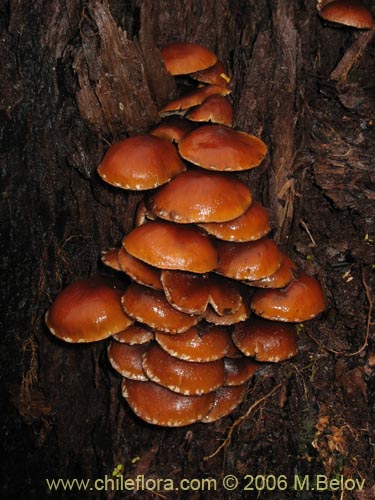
x: 348, y: 13
x: 182, y: 58
x: 216, y: 147
x: 88, y: 310
x: 140, y: 162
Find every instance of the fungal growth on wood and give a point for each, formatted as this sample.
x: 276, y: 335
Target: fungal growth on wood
x: 208, y: 298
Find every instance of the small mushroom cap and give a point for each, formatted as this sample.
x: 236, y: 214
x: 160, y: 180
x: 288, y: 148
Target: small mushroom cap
x: 201, y: 196
x: 127, y: 359
x: 349, y: 13
x: 226, y: 400
x: 87, y: 311
x: 302, y: 299
x: 172, y: 246
x: 252, y: 225
x: 152, y: 308
x: 160, y: 406
x: 241, y: 314
x: 194, y: 98
x: 284, y: 275
x: 185, y: 377
x: 239, y: 370
x: 182, y: 58
x: 110, y: 258
x: 266, y: 340
x: 134, y: 334
x: 216, y: 147
x: 214, y: 109
x: 194, y: 345
x: 216, y: 75
x: 139, y: 271
x: 140, y: 162
x: 251, y: 260
x: 173, y: 128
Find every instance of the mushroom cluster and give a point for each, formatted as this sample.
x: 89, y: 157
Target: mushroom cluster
x: 209, y: 297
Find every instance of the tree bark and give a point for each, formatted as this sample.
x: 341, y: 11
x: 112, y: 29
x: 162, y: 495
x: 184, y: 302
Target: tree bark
x: 77, y: 77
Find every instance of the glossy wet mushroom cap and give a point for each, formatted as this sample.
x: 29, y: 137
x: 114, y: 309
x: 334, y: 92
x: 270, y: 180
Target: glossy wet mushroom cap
x: 348, y: 13
x: 194, y: 98
x: 139, y: 271
x: 173, y: 128
x: 216, y: 75
x: 160, y: 406
x: 232, y: 318
x: 214, y: 109
x: 135, y: 334
x: 239, y: 370
x: 226, y: 400
x: 280, y: 279
x: 251, y: 260
x: 266, y: 340
x: 172, y: 246
x: 110, y: 258
x: 88, y: 310
x: 150, y: 307
x: 302, y: 299
x: 195, y: 344
x: 252, y: 225
x: 127, y: 359
x: 185, y: 377
x: 216, y: 147
x: 182, y: 58
x: 200, y: 196
x: 140, y: 162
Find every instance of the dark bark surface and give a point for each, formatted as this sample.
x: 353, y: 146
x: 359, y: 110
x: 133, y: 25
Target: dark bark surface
x: 76, y: 77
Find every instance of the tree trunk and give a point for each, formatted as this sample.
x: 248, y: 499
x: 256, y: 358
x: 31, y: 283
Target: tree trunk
x: 78, y: 76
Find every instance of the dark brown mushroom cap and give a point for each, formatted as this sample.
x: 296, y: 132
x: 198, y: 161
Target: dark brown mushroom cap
x: 349, y: 13
x: 214, y: 109
x: 160, y: 406
x: 226, y: 400
x: 173, y: 128
x: 251, y: 260
x: 216, y: 75
x: 88, y: 310
x: 149, y: 306
x: 284, y: 275
x: 194, y: 98
x: 201, y: 196
x: 239, y: 370
x: 140, y: 162
x: 252, y: 225
x: 184, y: 377
x: 139, y: 271
x: 302, y: 299
x: 216, y: 147
x: 266, y: 340
x: 135, y: 334
x: 127, y: 359
x: 110, y: 258
x: 195, y: 345
x: 172, y: 246
x: 182, y: 58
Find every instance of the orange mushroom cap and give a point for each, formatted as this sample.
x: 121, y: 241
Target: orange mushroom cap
x: 194, y: 98
x: 182, y: 58
x: 172, y: 246
x: 139, y: 271
x: 201, y: 196
x: 239, y: 370
x: 302, y: 299
x: 127, y: 359
x: 152, y: 308
x: 110, y: 258
x: 173, y: 128
x: 140, y: 162
x: 226, y: 400
x: 284, y: 275
x: 252, y: 225
x: 214, y: 109
x: 232, y: 318
x: 185, y: 377
x: 134, y: 334
x: 216, y: 75
x: 251, y: 260
x: 266, y: 340
x: 216, y: 147
x: 194, y: 345
x: 349, y: 13
x: 88, y: 310
x: 160, y: 406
